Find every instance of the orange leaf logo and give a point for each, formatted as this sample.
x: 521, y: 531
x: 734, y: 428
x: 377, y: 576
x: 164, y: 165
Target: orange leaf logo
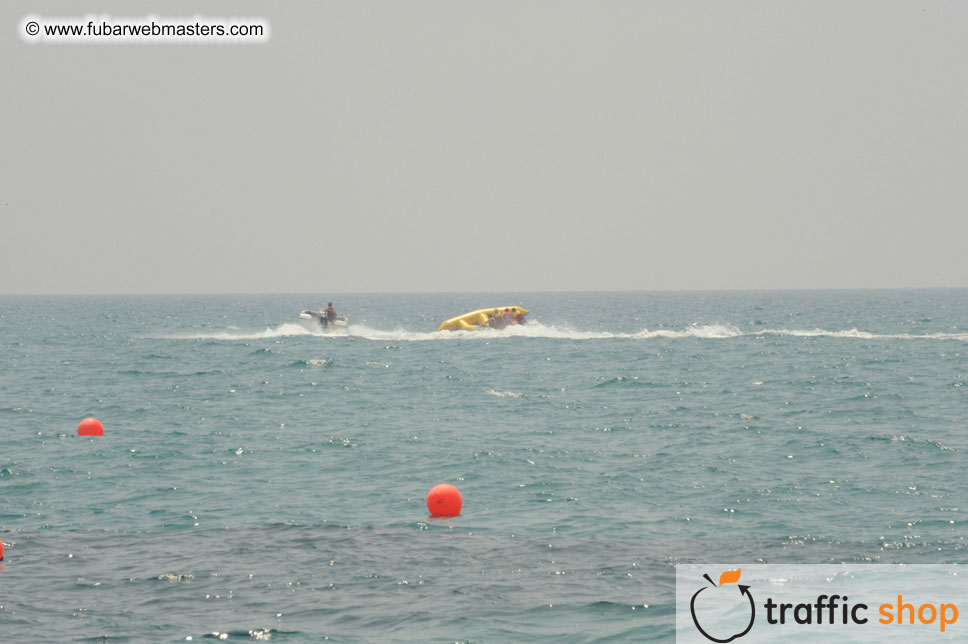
x: 729, y: 577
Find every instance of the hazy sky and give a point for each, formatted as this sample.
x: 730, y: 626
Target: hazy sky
x: 499, y: 146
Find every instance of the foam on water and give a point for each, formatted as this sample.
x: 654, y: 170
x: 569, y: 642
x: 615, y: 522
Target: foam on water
x: 862, y: 335
x: 504, y: 394
x: 233, y: 334
x: 536, y: 329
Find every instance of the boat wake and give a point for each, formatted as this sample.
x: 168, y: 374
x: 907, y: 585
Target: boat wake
x: 538, y: 330
x: 862, y: 335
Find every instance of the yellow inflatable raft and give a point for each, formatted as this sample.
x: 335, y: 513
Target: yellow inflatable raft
x: 477, y: 320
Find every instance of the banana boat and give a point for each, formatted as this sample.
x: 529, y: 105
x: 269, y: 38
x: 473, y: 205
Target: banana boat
x: 478, y: 320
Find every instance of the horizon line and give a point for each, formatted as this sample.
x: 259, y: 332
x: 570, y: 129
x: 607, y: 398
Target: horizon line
x: 487, y: 292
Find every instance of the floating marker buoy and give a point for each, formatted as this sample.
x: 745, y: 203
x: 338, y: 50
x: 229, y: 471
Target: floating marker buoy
x: 444, y: 500
x: 90, y: 427
x: 1, y: 550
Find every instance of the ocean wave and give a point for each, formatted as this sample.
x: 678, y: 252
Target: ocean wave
x: 564, y: 332
x: 504, y: 394
x: 706, y: 331
x: 552, y: 331
x: 233, y: 335
x: 319, y: 363
x: 856, y: 334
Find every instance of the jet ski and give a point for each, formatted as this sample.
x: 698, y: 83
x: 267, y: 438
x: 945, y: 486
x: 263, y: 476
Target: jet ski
x: 317, y: 321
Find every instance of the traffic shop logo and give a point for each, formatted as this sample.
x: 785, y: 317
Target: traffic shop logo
x: 713, y: 598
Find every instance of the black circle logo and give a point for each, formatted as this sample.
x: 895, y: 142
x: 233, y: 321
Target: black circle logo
x: 726, y: 578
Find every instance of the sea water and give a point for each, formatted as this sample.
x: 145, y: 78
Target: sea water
x: 258, y: 481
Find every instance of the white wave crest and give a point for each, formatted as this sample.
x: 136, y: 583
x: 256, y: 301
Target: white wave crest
x: 504, y: 394
x: 707, y: 331
x: 819, y: 333
x: 861, y: 335
x: 536, y: 329
x: 281, y: 331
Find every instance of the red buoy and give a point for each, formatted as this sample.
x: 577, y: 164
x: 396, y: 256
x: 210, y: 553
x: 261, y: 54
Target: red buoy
x: 1, y: 550
x: 444, y: 500
x: 90, y: 427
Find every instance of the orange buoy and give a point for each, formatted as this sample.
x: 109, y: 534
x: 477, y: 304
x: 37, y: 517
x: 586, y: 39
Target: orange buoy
x: 1, y: 550
x: 90, y: 427
x: 444, y: 500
